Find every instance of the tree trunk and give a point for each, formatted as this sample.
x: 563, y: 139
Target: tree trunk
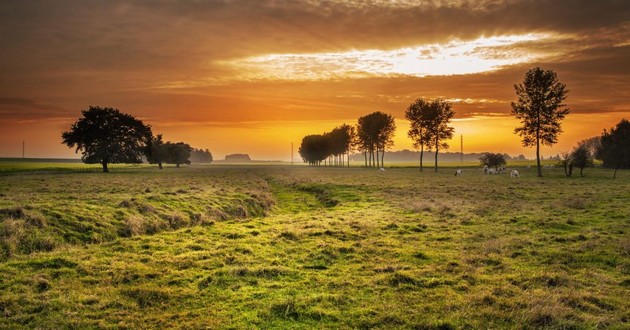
x: 566, y: 173
x: 421, y: 154
x: 105, y: 169
x: 177, y: 165
x: 436, y: 156
x: 365, y: 156
x: 382, y: 158
x: 538, y: 150
x: 437, y: 149
x: 581, y: 170
x: 615, y: 173
x: 160, y: 165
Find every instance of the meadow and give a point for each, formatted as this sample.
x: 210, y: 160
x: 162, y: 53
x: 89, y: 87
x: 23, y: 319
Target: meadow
x: 279, y: 246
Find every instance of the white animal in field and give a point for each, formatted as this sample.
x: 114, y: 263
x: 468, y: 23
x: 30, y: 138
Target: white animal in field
x: 514, y: 174
x: 381, y: 169
x: 485, y: 169
x: 501, y: 169
x: 459, y: 172
x: 492, y: 171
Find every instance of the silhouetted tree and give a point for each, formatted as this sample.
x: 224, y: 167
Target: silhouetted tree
x: 177, y: 153
x: 581, y: 158
x: 439, y: 118
x: 540, y: 109
x: 375, y: 133
x: 201, y: 156
x: 156, y: 151
x: 566, y: 161
x: 419, y: 115
x: 614, y: 149
x: 492, y: 160
x: 313, y: 149
x: 341, y: 143
x: 106, y: 135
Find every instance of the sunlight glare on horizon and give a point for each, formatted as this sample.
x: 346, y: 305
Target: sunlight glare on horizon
x: 455, y: 57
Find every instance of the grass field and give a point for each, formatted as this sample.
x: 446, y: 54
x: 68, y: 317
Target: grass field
x: 298, y: 247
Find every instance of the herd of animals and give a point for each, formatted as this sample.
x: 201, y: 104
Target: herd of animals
x: 490, y: 170
x: 486, y: 170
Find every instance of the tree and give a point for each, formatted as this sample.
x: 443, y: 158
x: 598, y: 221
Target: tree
x: 439, y: 119
x: 177, y: 153
x: 591, y: 144
x: 313, y: 149
x: 492, y: 160
x: 106, y: 135
x: 375, y: 133
x: 581, y: 158
x: 566, y: 161
x: 614, y: 149
x: 341, y: 143
x: 540, y: 109
x: 156, y: 151
x: 418, y: 114
x: 201, y: 156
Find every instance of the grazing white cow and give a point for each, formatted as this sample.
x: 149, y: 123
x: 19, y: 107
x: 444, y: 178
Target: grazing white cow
x: 501, y: 169
x: 492, y: 171
x: 459, y: 172
x: 514, y: 174
x: 485, y: 169
x: 381, y: 169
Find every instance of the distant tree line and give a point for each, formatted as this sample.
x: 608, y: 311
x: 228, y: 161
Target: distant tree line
x: 107, y: 136
x: 330, y: 148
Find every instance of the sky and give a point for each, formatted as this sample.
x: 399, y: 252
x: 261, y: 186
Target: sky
x: 254, y: 76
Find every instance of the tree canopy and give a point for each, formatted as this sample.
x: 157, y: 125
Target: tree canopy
x: 419, y: 115
x: 540, y: 109
x: 439, y: 117
x: 333, y: 145
x: 106, y: 135
x: 177, y: 153
x: 375, y: 133
x: 614, y: 148
x: 492, y: 160
x: 156, y: 153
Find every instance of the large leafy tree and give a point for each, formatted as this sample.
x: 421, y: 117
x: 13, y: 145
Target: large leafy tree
x: 156, y: 153
x: 419, y: 113
x: 540, y: 109
x: 581, y: 158
x: 614, y: 148
x: 177, y: 153
x: 314, y: 149
x: 438, y: 121
x: 375, y: 133
x: 108, y: 136
x: 492, y: 160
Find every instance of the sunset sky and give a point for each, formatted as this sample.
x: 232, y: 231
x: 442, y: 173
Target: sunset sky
x: 253, y: 76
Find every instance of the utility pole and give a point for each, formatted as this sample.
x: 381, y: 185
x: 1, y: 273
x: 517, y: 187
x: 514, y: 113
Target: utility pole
x: 22, y: 149
x: 461, y: 147
x: 291, y: 153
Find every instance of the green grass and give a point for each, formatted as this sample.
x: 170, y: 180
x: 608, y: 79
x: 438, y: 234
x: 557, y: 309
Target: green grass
x: 299, y: 247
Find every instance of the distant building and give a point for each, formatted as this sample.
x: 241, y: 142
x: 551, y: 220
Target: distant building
x: 237, y: 158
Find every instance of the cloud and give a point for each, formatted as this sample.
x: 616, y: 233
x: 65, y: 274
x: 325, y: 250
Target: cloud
x: 158, y: 59
x: 13, y: 108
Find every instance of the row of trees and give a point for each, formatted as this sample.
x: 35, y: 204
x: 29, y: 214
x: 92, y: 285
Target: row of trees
x: 539, y: 107
x: 107, y: 136
x: 372, y: 135
x: 612, y: 148
x: 332, y: 148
